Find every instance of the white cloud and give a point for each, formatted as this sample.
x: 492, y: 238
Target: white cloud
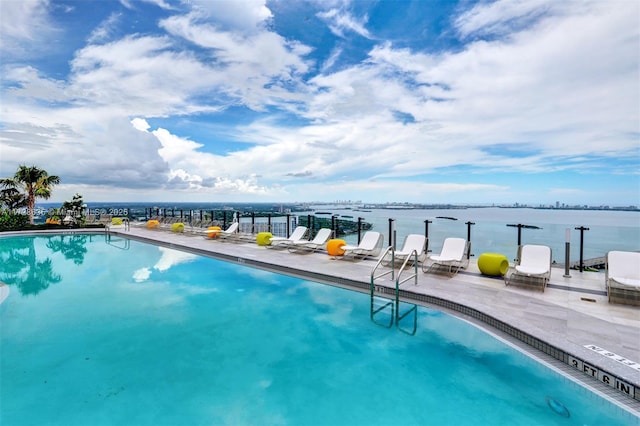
x: 257, y: 69
x: 140, y: 124
x: 23, y: 21
x: 502, y: 16
x: 143, y: 76
x: 34, y: 86
x: 550, y: 86
x: 341, y: 21
x: 104, y: 31
x: 192, y: 169
x: 245, y: 15
x: 331, y: 60
x: 463, y: 113
x: 160, y: 3
x: 88, y: 145
x: 174, y: 148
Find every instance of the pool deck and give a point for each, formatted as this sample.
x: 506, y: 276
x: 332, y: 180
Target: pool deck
x: 571, y: 314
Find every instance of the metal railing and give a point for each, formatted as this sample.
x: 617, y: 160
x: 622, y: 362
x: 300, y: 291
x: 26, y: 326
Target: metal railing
x: 381, y: 300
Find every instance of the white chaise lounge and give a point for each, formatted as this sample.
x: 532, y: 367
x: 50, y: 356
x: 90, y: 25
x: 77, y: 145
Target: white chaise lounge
x: 622, y: 275
x: 412, y: 243
x: 229, y: 234
x: 318, y: 242
x: 533, y: 268
x: 452, y: 257
x: 370, y: 245
x: 283, y: 242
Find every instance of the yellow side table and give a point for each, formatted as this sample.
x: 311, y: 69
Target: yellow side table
x: 493, y: 264
x: 177, y: 227
x: 153, y: 224
x: 334, y: 247
x: 264, y: 238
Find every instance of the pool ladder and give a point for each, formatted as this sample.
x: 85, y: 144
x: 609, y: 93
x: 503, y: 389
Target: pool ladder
x: 385, y: 299
x: 121, y: 243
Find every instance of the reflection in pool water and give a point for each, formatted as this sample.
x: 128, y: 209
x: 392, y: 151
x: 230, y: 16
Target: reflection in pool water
x: 23, y: 268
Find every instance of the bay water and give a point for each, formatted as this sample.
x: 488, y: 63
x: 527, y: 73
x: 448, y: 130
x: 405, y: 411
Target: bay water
x: 490, y: 229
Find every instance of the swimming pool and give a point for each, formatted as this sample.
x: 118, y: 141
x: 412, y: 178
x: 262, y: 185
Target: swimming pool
x: 131, y: 334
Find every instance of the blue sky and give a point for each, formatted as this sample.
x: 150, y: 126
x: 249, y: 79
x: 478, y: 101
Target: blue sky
x: 519, y: 101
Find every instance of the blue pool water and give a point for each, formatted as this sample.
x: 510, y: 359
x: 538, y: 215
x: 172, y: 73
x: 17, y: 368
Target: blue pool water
x: 134, y: 334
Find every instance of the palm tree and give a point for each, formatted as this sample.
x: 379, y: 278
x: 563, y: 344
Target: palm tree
x: 34, y: 182
x: 11, y: 198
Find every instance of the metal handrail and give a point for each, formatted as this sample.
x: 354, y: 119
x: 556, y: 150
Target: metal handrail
x: 372, y: 290
x: 399, y: 317
x: 373, y: 271
x: 394, y: 303
x: 413, y: 254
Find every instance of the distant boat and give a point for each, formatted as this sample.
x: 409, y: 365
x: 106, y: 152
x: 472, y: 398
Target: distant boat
x: 323, y: 213
x: 345, y: 215
x: 524, y: 226
x: 446, y: 217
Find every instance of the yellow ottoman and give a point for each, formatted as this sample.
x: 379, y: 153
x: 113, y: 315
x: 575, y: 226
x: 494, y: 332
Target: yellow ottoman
x: 334, y: 247
x: 152, y: 224
x: 213, y: 231
x: 264, y: 238
x: 177, y: 227
x: 493, y: 264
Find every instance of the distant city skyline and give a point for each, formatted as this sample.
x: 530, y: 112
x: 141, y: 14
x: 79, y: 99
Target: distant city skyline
x: 460, y: 102
x: 352, y: 203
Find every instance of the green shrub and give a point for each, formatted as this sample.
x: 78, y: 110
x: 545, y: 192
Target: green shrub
x: 20, y: 222
x: 13, y: 221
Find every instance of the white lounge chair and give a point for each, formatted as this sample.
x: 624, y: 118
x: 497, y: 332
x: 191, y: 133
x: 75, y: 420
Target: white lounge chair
x: 198, y: 226
x: 105, y: 219
x: 282, y: 242
x: 370, y: 245
x: 317, y: 243
x: 453, y: 256
x: 412, y: 243
x: 229, y: 234
x: 533, y: 267
x: 622, y: 275
x: 166, y: 222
